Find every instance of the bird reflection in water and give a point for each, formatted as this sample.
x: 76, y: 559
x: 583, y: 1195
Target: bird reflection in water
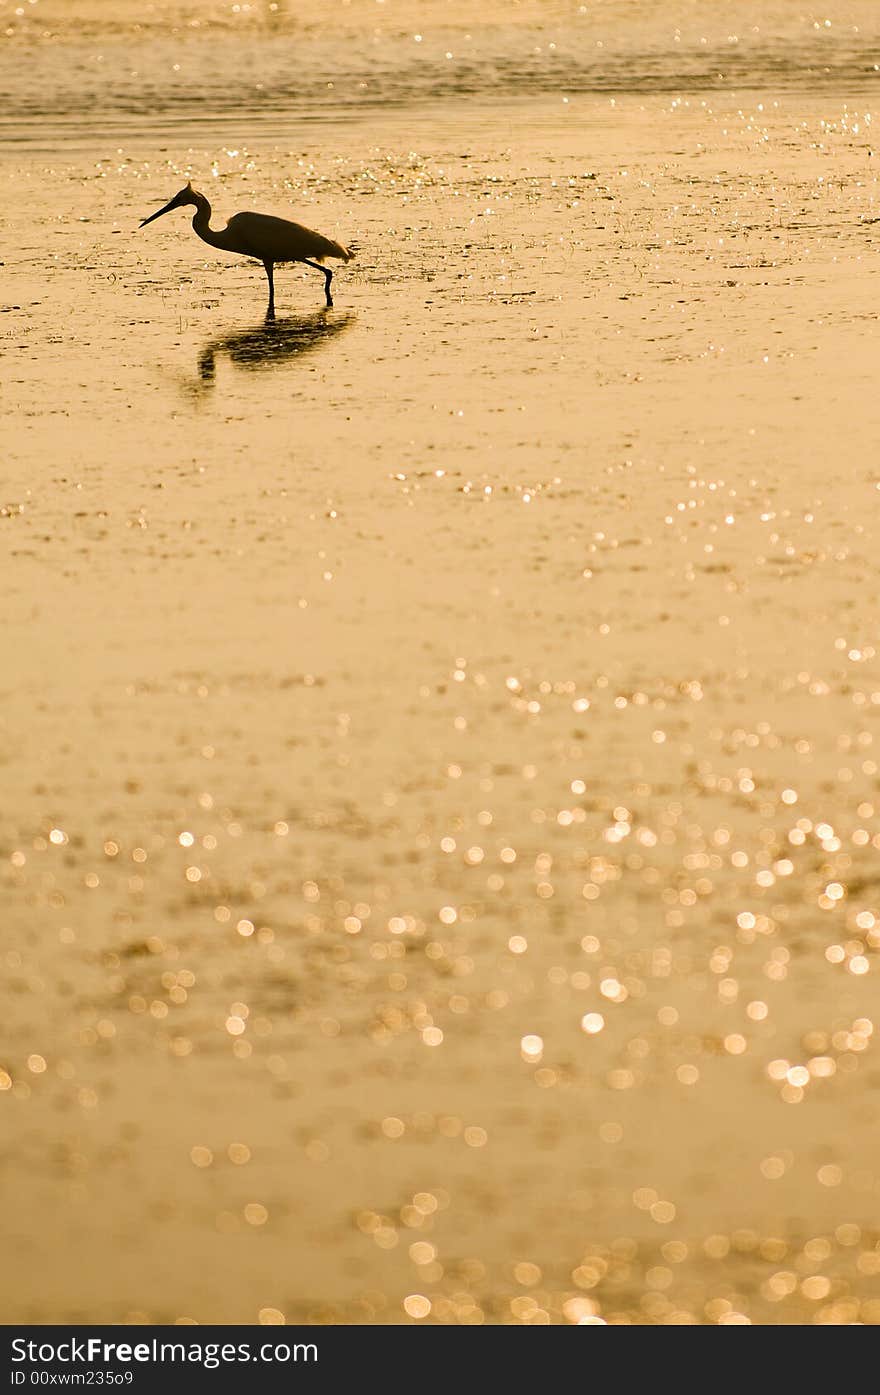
x: 274, y: 342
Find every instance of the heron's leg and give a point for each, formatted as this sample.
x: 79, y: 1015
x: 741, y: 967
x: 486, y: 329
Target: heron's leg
x: 270, y: 269
x: 328, y: 277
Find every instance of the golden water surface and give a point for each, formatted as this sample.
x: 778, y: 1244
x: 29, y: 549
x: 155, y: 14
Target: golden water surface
x: 440, y: 821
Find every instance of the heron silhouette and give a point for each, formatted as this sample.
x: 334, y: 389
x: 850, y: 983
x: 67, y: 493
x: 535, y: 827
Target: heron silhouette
x: 269, y: 240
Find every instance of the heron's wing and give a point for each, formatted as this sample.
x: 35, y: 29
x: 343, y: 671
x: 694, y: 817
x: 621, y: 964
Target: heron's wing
x: 279, y: 239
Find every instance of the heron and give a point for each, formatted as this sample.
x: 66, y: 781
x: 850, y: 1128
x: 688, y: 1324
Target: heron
x: 269, y: 240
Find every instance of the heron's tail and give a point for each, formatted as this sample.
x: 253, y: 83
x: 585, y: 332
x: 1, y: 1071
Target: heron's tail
x: 336, y: 249
x: 321, y: 247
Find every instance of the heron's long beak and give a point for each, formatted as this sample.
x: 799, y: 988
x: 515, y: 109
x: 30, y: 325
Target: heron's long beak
x: 167, y: 209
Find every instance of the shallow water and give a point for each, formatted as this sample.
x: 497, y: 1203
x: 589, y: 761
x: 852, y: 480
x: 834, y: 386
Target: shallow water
x: 259, y: 61
x: 439, y: 845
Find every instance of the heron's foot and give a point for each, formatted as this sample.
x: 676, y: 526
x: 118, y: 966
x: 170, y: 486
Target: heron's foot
x: 329, y: 305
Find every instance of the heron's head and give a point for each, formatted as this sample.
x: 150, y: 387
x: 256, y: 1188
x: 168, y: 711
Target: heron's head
x: 187, y: 195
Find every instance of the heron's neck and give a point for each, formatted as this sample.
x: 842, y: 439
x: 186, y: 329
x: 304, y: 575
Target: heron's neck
x: 202, y: 222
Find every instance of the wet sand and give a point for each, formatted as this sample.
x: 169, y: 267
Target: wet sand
x: 439, y: 844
